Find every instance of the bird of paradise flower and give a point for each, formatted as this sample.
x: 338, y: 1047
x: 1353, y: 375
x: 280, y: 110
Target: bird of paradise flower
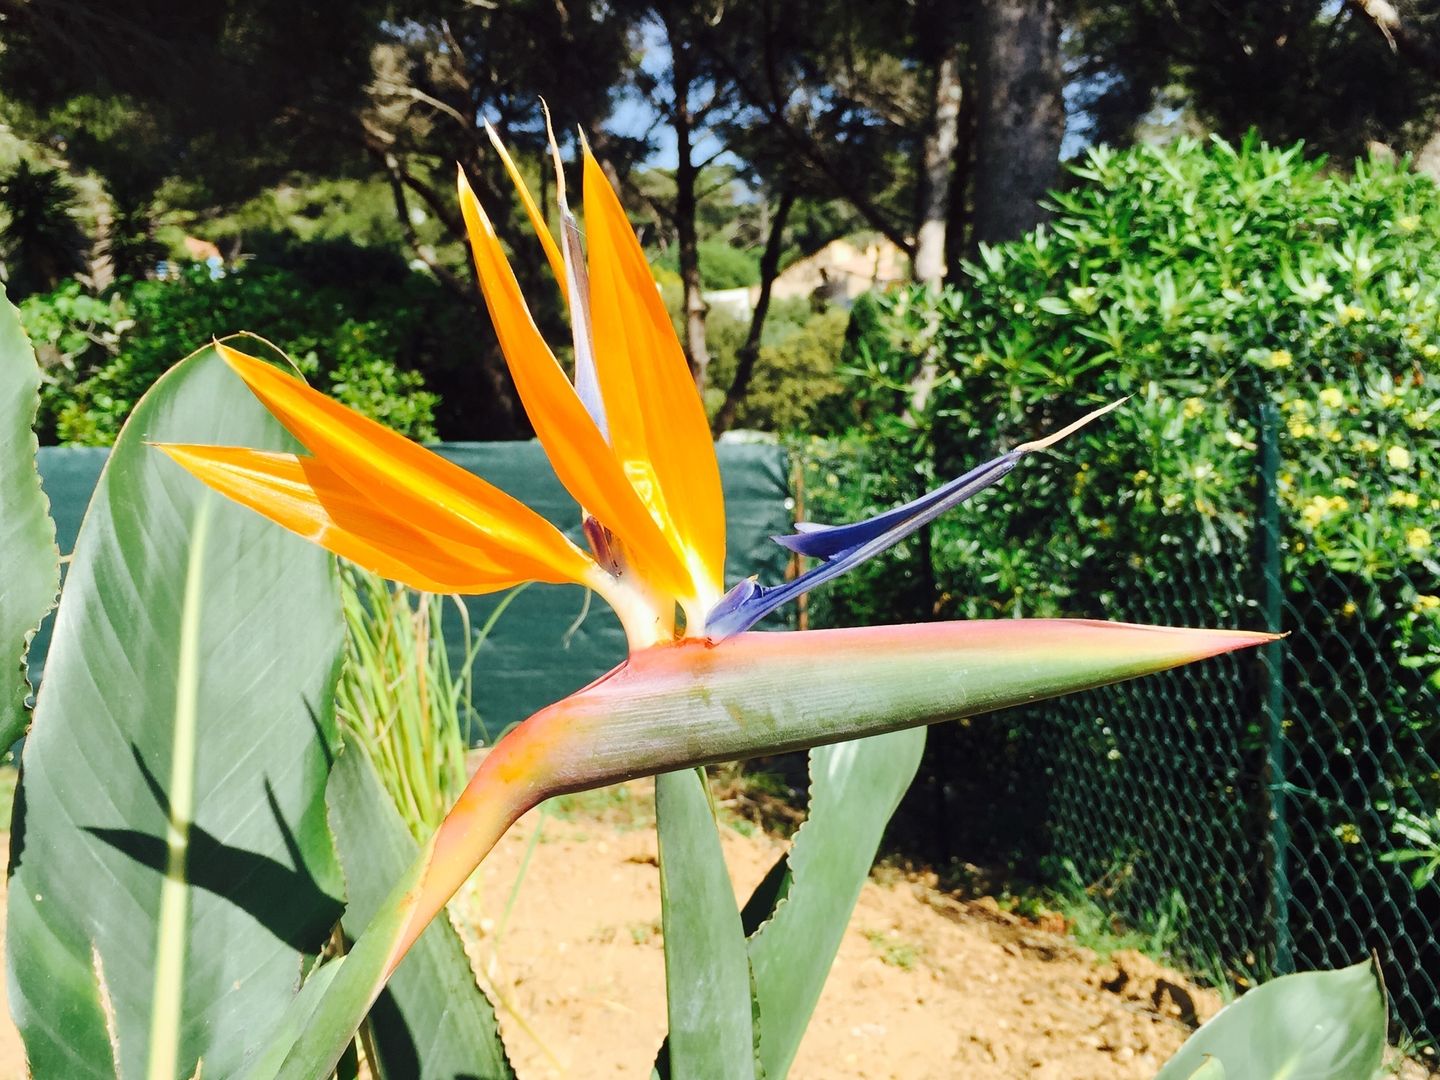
x: 629, y: 439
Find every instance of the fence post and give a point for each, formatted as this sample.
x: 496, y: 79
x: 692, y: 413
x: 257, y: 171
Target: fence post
x: 1273, y: 698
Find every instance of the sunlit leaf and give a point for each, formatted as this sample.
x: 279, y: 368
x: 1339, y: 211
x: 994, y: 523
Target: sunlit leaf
x: 854, y: 789
x: 707, y: 973
x: 237, y: 630
x: 27, y: 535
x: 434, y: 1022
x: 1319, y: 1025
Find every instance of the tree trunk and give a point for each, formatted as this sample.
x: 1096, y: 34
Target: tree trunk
x: 750, y: 351
x: 937, y: 175
x: 686, y: 240
x: 937, y: 170
x: 1021, y: 115
x: 958, y: 229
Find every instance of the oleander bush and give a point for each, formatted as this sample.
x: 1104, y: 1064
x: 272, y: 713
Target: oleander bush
x: 365, y: 345
x: 1248, y: 298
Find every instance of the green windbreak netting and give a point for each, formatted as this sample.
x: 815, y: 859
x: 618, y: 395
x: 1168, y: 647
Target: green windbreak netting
x: 546, y: 643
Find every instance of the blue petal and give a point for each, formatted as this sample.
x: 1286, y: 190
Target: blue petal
x: 827, y: 541
x: 844, y: 546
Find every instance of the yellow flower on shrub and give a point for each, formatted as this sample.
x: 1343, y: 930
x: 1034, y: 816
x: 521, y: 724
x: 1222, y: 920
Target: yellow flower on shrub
x: 1417, y: 539
x: 1406, y: 500
x: 1331, y: 398
x: 1321, y: 507
x: 1427, y: 602
x: 1193, y: 408
x: 1398, y: 457
x: 1279, y: 358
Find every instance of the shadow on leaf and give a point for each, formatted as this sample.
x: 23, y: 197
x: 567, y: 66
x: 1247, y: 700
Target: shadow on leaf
x: 286, y: 901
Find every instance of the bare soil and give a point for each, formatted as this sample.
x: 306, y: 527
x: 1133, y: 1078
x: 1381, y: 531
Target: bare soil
x: 925, y: 986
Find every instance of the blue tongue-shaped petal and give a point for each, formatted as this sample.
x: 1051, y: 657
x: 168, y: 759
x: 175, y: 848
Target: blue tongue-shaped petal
x: 844, y: 546
x: 828, y: 541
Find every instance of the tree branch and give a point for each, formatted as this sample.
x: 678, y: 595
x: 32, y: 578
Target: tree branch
x: 749, y: 352
x: 771, y: 104
x: 1416, y: 47
x: 402, y: 211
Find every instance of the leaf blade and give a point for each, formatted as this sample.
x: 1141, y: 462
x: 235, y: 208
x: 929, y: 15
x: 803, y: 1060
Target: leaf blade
x: 1321, y: 1025
x: 707, y: 971
x: 83, y: 917
x: 437, y: 1022
x: 855, y: 788
x: 27, y: 534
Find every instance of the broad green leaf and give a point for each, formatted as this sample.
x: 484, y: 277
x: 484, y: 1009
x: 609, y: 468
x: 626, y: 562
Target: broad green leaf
x: 27, y: 535
x: 854, y: 789
x: 433, y: 1022
x: 1319, y: 1025
x: 181, y: 658
x: 311, y: 1045
x: 675, y: 706
x: 296, y: 1017
x: 707, y: 972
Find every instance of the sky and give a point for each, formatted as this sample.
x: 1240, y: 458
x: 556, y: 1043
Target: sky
x: 635, y: 116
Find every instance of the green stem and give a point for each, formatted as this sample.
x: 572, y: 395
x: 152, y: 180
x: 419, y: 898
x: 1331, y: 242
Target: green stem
x: 166, y: 1001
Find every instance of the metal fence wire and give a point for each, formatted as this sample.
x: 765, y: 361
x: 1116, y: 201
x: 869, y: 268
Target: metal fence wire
x: 1264, y: 812
x: 1277, y: 811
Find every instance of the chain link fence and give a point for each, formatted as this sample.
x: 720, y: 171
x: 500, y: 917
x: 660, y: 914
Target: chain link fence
x: 1277, y: 811
x: 1260, y: 813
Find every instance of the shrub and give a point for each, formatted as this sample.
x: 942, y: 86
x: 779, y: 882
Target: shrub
x: 1202, y: 280
x: 361, y: 342
x: 1233, y: 290
x: 722, y: 265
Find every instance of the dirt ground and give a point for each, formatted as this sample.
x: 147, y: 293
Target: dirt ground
x: 925, y: 985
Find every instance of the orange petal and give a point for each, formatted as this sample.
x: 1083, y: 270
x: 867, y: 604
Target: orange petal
x: 537, y: 219
x: 314, y: 502
x: 434, y: 496
x: 657, y: 420
x: 578, y: 453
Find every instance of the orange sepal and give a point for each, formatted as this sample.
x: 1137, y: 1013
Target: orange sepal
x: 300, y: 494
x: 435, y: 497
x: 578, y: 453
x: 657, y: 420
x: 537, y: 219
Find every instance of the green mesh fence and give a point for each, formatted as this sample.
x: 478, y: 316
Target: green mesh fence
x: 1277, y: 811
x: 1256, y: 814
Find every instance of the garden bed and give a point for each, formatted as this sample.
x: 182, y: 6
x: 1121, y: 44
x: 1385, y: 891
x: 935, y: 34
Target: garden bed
x: 925, y: 985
